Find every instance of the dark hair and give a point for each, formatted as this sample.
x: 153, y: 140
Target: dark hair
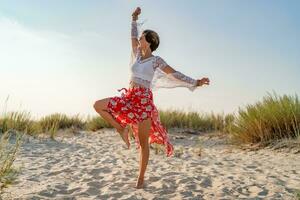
x: 152, y: 38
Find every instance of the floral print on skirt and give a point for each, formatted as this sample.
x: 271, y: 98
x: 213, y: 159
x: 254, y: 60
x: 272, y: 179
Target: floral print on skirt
x: 135, y: 105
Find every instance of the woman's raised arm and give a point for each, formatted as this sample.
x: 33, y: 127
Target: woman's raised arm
x: 134, y: 30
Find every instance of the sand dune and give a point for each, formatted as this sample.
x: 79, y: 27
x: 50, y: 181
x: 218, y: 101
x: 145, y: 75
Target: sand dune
x: 97, y: 166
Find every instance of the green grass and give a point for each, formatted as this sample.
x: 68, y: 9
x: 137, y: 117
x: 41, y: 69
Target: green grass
x: 95, y: 123
x: 60, y: 121
x: 8, y: 152
x: 274, y: 118
x: 194, y: 120
x: 19, y: 121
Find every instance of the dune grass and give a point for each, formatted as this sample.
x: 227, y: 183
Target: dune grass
x: 274, y: 118
x: 19, y: 121
x: 12, y: 127
x: 200, y: 121
x: 95, y: 123
x: 10, y: 142
x: 60, y: 121
x: 50, y: 124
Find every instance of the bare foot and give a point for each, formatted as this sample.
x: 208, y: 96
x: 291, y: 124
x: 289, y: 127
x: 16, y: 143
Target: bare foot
x: 139, y: 183
x: 124, y: 136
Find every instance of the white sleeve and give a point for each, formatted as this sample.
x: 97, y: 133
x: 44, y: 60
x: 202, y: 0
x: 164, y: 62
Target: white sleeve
x: 134, y: 30
x: 135, y: 53
x: 176, y: 79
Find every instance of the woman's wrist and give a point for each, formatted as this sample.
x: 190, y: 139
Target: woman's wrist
x: 134, y: 17
x: 199, y: 83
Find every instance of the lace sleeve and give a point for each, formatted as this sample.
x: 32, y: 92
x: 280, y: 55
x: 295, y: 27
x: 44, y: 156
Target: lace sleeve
x: 162, y: 79
x: 134, y: 30
x: 159, y: 63
x: 182, y: 77
x: 135, y: 52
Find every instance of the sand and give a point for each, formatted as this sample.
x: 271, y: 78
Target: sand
x: 98, y: 166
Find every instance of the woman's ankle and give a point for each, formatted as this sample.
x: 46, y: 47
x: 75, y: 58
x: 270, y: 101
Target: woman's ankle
x: 120, y: 130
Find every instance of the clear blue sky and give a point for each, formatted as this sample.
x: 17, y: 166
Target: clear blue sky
x: 61, y: 56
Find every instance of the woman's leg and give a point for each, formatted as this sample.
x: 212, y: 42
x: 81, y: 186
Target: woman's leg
x: 143, y: 134
x: 101, y: 107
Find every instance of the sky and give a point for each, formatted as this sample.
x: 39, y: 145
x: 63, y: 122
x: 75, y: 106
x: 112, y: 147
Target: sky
x: 62, y: 56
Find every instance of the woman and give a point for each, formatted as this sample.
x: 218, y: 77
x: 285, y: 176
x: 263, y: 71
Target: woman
x: 135, y: 106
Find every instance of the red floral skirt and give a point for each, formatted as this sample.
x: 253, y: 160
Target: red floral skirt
x: 135, y: 105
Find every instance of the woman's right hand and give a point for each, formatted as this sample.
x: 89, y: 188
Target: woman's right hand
x: 203, y: 81
x: 136, y: 13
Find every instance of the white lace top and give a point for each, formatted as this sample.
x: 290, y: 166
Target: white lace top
x: 142, y: 70
x: 150, y: 73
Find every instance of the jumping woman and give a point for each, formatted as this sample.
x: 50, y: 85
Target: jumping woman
x: 135, y: 107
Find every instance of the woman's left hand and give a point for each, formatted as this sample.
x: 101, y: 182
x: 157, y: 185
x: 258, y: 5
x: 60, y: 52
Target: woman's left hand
x: 203, y: 81
x: 136, y: 13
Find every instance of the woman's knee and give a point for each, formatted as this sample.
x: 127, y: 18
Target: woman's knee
x: 101, y: 104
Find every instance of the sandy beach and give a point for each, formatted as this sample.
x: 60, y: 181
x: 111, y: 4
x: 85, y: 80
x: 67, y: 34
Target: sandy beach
x: 90, y: 165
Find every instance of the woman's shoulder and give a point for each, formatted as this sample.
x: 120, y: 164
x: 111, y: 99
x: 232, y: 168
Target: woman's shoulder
x: 159, y: 61
x: 157, y: 57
